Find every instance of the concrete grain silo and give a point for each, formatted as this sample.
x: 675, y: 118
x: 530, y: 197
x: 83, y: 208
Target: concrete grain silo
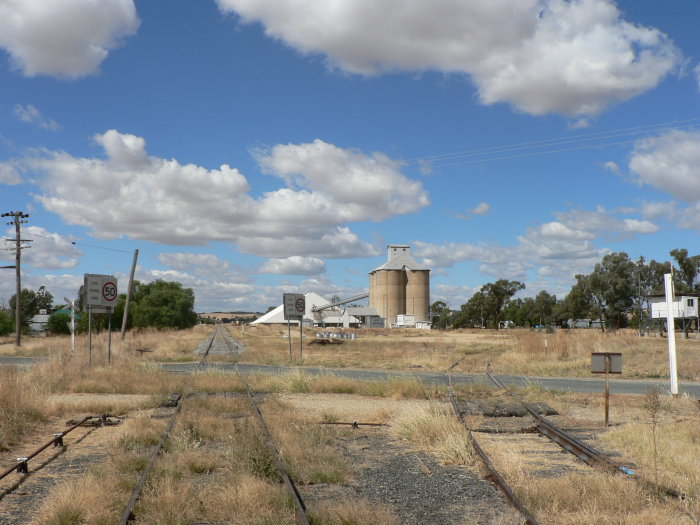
x: 400, y: 287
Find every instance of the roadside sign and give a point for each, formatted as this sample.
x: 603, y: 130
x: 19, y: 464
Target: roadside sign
x: 294, y: 305
x: 606, y: 363
x: 598, y: 362
x: 100, y: 292
x: 109, y: 292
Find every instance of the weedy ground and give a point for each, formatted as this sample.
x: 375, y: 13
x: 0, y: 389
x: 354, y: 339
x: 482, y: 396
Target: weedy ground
x: 516, y: 351
x: 200, y: 467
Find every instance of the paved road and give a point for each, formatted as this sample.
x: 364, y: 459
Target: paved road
x: 594, y: 385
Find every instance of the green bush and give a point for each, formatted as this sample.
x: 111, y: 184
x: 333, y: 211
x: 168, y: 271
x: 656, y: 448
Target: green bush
x: 58, y: 323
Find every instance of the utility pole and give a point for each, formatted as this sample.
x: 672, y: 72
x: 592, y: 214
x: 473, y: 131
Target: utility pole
x: 17, y: 219
x: 128, y: 293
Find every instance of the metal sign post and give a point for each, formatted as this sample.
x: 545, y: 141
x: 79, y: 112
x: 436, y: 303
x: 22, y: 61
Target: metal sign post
x: 606, y: 363
x: 294, y: 308
x: 101, y: 296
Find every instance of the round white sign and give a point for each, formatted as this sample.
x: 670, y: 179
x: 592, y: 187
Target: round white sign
x: 109, y: 291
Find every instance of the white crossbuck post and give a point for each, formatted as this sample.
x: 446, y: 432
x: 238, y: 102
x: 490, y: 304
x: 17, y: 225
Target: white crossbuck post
x: 668, y: 285
x: 72, y: 323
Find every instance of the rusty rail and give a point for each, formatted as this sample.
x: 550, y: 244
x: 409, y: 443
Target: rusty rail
x: 492, y: 474
x: 296, y: 497
x: 22, y: 466
x: 209, y: 345
x: 566, y: 441
x: 353, y: 424
x: 586, y: 453
x: 281, y: 469
x: 128, y: 514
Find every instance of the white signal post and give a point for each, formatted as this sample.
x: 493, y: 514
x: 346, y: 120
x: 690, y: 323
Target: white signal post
x: 671, y: 331
x: 72, y: 323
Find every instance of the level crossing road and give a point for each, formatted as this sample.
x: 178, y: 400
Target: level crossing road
x: 566, y: 384
x: 570, y: 384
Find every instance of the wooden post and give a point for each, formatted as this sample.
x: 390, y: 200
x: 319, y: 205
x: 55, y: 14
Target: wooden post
x: 607, y: 389
x: 289, y: 336
x: 18, y: 281
x: 109, y: 338
x: 128, y: 293
x: 301, y: 338
x: 89, y: 335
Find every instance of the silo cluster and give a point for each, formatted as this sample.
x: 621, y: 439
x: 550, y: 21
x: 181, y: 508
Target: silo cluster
x: 400, y: 286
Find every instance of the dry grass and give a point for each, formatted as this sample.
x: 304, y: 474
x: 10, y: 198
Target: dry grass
x: 298, y: 434
x: 297, y: 382
x: 216, y: 457
x: 518, y: 351
x: 567, y: 353
x: 21, y: 406
x: 678, y: 438
x: 376, y: 348
x: 93, y: 499
x: 166, y: 345
x: 248, y: 500
x: 581, y: 497
x: 435, y: 429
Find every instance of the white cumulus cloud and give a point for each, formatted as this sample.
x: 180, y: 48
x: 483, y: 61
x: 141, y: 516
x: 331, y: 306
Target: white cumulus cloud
x: 555, y: 250
x: 46, y: 250
x: 9, y: 174
x: 541, y: 56
x: 669, y: 162
x: 294, y: 265
x: 30, y: 114
x: 66, y: 38
x: 204, y: 263
x: 365, y: 186
x: 130, y: 193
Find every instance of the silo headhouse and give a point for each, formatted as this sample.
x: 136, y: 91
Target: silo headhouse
x: 400, y: 287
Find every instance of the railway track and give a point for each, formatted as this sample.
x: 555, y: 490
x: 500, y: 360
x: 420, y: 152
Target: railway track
x: 566, y: 441
x: 219, y: 342
x: 583, y: 452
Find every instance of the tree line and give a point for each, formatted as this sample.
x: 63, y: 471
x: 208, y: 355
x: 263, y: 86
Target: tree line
x: 617, y: 292
x: 159, y: 304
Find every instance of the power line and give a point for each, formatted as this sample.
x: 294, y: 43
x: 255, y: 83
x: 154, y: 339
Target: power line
x: 534, y: 154
x: 601, y: 136
x: 80, y: 243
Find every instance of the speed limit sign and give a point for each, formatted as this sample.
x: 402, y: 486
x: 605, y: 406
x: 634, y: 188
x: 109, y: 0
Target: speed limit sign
x: 294, y: 305
x: 109, y: 292
x: 100, y: 291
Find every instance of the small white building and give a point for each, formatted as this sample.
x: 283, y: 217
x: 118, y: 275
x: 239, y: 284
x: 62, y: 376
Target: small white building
x: 38, y: 323
x: 684, y: 307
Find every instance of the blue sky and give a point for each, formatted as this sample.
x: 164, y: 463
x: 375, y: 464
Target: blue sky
x: 253, y: 147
